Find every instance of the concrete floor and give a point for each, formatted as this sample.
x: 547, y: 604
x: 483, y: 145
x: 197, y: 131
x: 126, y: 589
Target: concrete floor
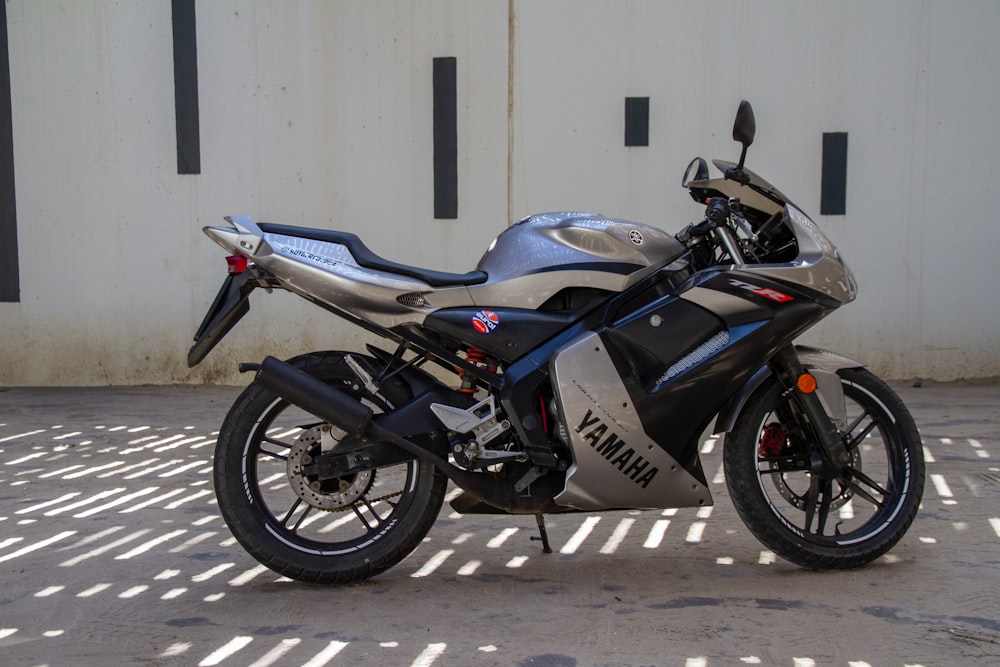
x: 112, y: 552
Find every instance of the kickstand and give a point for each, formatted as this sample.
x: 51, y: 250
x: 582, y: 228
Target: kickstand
x: 544, y: 536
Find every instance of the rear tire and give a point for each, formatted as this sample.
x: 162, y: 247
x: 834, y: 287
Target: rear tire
x: 812, y: 520
x: 329, y: 532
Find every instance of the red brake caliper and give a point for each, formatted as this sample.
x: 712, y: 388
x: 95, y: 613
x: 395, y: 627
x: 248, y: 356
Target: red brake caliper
x: 772, y: 441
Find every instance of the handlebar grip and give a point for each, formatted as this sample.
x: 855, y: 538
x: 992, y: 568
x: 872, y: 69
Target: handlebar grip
x: 718, y: 209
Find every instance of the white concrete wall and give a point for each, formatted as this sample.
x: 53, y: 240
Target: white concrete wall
x: 319, y: 113
x: 312, y: 113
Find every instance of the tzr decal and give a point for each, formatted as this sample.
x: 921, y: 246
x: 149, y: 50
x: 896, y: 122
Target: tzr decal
x: 766, y: 292
x: 485, y: 321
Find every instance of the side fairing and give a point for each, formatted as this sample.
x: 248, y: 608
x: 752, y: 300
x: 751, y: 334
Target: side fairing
x: 615, y: 463
x: 506, y: 333
x: 635, y: 394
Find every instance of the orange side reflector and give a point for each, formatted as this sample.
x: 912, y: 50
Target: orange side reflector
x: 806, y: 383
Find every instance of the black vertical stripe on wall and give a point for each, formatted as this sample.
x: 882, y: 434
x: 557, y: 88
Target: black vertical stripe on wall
x: 445, y: 139
x: 833, y: 192
x: 186, y: 87
x: 636, y: 121
x: 10, y: 287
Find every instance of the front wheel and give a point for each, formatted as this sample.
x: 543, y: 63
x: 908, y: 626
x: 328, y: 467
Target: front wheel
x: 815, y: 519
x: 318, y: 531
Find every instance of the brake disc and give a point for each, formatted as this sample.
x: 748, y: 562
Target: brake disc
x: 768, y: 441
x: 329, y: 494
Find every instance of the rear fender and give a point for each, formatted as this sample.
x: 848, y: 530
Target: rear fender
x: 823, y: 364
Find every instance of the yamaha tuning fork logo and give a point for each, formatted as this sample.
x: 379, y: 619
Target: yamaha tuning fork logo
x: 485, y: 321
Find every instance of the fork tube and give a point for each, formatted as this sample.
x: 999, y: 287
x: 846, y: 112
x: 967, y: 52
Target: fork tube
x: 788, y: 368
x: 728, y: 242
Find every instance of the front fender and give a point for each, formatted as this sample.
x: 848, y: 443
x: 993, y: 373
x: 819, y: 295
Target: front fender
x: 823, y: 364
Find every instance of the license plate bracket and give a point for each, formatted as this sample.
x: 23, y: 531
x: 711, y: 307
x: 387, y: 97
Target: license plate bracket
x: 230, y: 305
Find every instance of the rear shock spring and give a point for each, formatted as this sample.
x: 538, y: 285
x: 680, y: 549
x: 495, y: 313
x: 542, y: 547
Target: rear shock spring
x: 474, y: 355
x: 477, y: 357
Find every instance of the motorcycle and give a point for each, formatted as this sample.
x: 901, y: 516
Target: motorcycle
x: 576, y: 369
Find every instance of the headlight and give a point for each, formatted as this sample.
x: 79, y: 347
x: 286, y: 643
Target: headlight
x: 802, y: 221
x: 816, y: 249
x: 852, y: 284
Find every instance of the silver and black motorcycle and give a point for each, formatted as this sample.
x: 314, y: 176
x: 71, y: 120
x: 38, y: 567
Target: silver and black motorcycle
x: 584, y: 358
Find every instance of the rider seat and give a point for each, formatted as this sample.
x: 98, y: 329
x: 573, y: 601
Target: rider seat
x: 368, y: 259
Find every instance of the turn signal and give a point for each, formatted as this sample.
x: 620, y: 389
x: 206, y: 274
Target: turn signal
x: 237, y: 264
x: 806, y: 383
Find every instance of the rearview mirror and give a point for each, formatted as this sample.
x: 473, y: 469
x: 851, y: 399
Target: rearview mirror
x: 745, y: 126
x: 697, y: 170
x: 744, y: 129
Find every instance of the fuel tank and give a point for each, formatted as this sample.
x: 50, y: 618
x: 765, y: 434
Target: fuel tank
x: 544, y: 254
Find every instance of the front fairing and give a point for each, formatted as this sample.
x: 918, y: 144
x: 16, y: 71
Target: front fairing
x: 818, y: 265
x: 757, y: 193
x: 755, y: 180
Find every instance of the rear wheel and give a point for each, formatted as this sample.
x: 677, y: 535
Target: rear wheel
x: 814, y: 519
x: 319, y: 531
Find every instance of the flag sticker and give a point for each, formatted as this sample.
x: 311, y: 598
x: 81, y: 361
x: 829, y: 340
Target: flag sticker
x: 485, y: 321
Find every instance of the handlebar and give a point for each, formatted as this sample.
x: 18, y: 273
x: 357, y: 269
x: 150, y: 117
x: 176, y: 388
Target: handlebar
x: 726, y: 228
x: 718, y: 212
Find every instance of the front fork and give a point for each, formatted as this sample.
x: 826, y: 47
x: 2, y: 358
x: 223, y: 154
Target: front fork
x: 833, y: 456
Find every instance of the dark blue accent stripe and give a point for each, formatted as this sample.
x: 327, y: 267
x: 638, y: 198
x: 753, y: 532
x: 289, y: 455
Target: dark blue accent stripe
x: 622, y: 268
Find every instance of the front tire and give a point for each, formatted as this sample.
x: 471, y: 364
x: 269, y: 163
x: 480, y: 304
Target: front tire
x: 816, y: 520
x: 329, y: 532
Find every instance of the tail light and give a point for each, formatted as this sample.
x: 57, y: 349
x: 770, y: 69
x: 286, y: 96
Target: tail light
x: 237, y: 264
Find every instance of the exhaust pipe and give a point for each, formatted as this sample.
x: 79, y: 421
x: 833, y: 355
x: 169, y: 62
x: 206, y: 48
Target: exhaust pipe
x: 340, y: 409
x: 315, y: 396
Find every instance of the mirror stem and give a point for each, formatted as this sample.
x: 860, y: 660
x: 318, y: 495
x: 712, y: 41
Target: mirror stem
x: 736, y: 173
